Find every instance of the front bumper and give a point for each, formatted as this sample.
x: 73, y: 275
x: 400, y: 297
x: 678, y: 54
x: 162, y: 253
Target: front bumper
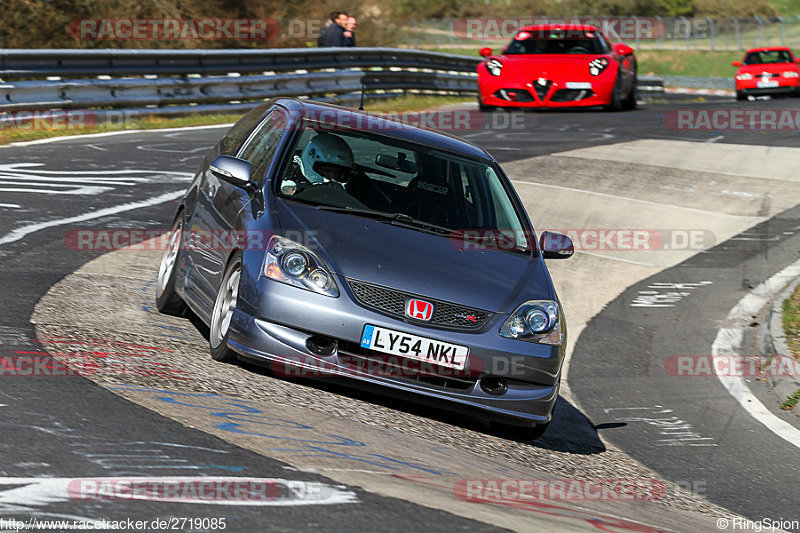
x: 501, y: 92
x: 278, y: 326
x: 751, y: 88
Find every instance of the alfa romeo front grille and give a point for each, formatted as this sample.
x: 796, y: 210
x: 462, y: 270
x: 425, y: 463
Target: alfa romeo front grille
x: 393, y: 303
x: 541, y: 86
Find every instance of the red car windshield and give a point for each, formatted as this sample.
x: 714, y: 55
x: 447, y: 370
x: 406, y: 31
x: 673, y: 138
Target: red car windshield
x: 768, y: 56
x: 557, y: 42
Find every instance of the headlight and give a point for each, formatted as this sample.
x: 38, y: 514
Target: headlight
x: 494, y: 67
x: 745, y: 76
x: 597, y: 65
x: 791, y: 74
x: 534, y: 321
x: 294, y: 264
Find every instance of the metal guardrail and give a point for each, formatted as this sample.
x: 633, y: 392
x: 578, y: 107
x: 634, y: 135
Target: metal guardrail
x: 68, y: 62
x: 182, y: 77
x: 218, y: 89
x: 166, y: 80
x: 700, y: 82
x: 647, y: 85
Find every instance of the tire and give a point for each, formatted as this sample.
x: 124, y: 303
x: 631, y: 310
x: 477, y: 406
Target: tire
x: 224, y: 304
x: 740, y: 97
x: 484, y: 107
x: 629, y: 104
x: 167, y: 300
x: 616, y: 97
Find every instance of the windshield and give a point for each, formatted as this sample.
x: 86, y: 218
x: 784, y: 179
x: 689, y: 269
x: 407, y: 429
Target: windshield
x: 768, y: 56
x: 557, y: 42
x: 399, y: 181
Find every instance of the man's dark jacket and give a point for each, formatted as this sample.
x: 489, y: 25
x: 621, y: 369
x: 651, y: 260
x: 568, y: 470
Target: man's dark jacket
x: 333, y: 35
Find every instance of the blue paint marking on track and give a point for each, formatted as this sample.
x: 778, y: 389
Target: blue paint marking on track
x: 316, y: 446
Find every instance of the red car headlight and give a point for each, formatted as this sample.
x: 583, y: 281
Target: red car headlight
x: 494, y: 67
x: 597, y: 65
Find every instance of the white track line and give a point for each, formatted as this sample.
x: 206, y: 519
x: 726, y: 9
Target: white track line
x: 648, y: 202
x: 21, y: 232
x: 110, y: 134
x: 728, y: 342
x: 629, y: 261
x: 36, y: 492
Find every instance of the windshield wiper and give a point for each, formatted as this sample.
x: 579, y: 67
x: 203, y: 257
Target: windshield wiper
x: 398, y: 219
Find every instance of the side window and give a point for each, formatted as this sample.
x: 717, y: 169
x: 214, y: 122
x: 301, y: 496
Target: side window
x: 262, y: 145
x: 239, y: 132
x: 605, y: 45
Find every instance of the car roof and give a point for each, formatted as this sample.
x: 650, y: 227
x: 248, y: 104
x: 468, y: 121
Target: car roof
x: 769, y: 49
x: 549, y: 27
x: 349, y: 118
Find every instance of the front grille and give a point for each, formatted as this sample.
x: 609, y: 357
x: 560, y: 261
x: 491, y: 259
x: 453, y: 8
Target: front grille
x: 571, y: 95
x: 514, y: 95
x: 354, y: 357
x: 541, y: 86
x: 393, y: 303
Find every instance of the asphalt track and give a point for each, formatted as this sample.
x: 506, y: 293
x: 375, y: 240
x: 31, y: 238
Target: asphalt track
x: 68, y: 428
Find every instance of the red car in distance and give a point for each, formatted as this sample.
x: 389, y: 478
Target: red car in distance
x: 767, y: 71
x: 558, y: 66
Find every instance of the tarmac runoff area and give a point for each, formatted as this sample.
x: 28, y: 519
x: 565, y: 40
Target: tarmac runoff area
x: 409, y: 452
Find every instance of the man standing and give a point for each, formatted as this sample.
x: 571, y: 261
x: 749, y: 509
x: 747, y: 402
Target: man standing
x: 333, y: 35
x: 350, y: 32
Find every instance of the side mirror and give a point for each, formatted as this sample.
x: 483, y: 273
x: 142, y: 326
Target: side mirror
x: 555, y: 245
x: 233, y: 170
x: 798, y: 59
x: 737, y: 63
x: 485, y: 51
x: 623, y: 49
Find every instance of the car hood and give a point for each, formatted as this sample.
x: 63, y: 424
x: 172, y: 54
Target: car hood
x: 551, y: 66
x: 755, y: 70
x: 413, y: 261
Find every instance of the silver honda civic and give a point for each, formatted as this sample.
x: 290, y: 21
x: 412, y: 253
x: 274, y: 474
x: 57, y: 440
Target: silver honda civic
x: 328, y: 243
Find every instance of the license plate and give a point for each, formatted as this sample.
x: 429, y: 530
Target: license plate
x: 579, y: 85
x: 414, y: 347
x: 766, y: 84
